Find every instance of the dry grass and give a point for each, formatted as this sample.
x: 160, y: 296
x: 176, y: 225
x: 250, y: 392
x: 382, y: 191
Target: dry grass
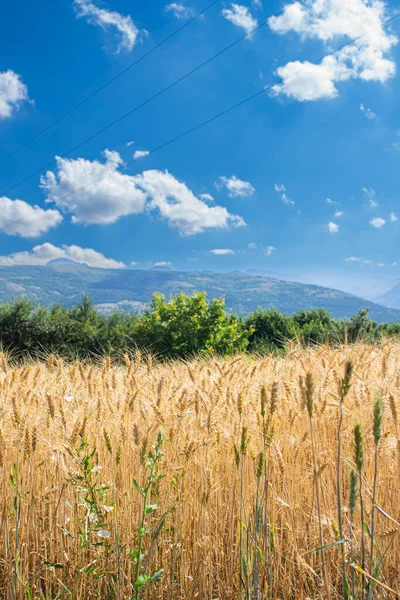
x: 201, y: 407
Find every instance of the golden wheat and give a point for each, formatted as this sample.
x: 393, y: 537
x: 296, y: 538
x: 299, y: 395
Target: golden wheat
x: 219, y: 439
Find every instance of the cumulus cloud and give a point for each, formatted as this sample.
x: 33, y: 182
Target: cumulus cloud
x: 97, y: 192
x: 111, y: 196
x: 180, y: 207
x: 162, y: 263
x: 106, y: 19
x: 241, y: 17
x: 222, y: 251
x: 140, y: 154
x: 237, y: 188
x: 367, y: 112
x: 378, y: 222
x: 333, y: 227
x: 333, y: 22
x: 179, y: 10
x: 12, y: 93
x: 329, y: 201
x: 339, y: 213
x: 393, y: 217
x: 281, y: 189
x: 20, y: 218
x: 41, y: 255
x: 269, y: 250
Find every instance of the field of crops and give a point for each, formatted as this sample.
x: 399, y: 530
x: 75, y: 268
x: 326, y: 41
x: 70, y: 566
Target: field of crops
x: 212, y: 479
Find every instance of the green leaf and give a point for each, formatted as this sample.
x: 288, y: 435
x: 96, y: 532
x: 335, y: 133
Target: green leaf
x: 367, y: 529
x: 141, y: 580
x: 157, y: 575
x: 150, y: 508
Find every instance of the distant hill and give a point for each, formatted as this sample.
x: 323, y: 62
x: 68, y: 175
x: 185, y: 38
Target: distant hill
x: 392, y: 297
x: 64, y: 262
x: 130, y: 289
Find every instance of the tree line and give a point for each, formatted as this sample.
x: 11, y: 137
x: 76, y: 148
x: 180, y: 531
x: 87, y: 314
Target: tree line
x: 179, y: 327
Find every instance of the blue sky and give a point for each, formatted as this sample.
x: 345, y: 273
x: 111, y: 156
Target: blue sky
x: 304, y: 177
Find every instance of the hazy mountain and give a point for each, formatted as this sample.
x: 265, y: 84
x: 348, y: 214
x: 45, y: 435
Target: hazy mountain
x: 129, y: 289
x: 371, y: 288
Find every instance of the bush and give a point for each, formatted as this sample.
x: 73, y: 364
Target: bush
x: 186, y: 325
x: 269, y: 330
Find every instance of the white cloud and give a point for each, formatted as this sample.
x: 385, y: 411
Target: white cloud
x: 380, y: 265
x: 140, y: 154
x: 180, y: 207
x: 222, y: 251
x: 269, y: 250
x: 107, y: 19
x: 332, y: 22
x: 162, y: 263
x: 252, y: 246
x: 339, y: 213
x: 329, y: 201
x: 361, y: 261
x: 393, y: 217
x: 280, y: 188
x: 179, y: 10
x: 371, y: 195
x: 112, y: 196
x: 20, y: 218
x: 333, y: 227
x: 396, y: 144
x: 241, y: 17
x: 98, y: 193
x: 206, y: 197
x: 12, y: 93
x: 378, y: 222
x: 237, y: 188
x: 41, y: 255
x: 367, y: 112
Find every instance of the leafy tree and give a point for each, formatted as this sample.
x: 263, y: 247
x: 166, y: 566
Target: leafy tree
x: 270, y: 330
x: 317, y: 326
x: 185, y: 325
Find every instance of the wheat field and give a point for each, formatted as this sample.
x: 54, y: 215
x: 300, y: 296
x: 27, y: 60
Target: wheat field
x: 219, y: 467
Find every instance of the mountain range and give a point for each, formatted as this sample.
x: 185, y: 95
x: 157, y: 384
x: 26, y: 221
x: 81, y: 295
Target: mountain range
x: 64, y: 282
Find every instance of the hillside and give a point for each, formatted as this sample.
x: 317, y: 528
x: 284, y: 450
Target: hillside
x: 132, y: 289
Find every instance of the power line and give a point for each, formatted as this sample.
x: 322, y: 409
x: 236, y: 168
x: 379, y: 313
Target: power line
x: 145, y: 102
x: 235, y: 106
x: 109, y: 82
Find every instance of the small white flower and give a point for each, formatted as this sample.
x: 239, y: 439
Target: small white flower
x: 68, y: 398
x: 96, y: 469
x: 108, y: 508
x: 103, y: 533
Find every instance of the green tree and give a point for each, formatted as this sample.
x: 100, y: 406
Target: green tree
x: 186, y: 325
x: 269, y: 330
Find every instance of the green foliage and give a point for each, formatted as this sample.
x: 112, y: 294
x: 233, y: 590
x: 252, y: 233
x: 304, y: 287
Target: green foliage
x: 270, y: 330
x: 139, y: 558
x: 180, y: 327
x: 186, y: 325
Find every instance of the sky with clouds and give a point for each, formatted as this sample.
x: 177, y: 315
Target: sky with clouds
x: 303, y: 176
